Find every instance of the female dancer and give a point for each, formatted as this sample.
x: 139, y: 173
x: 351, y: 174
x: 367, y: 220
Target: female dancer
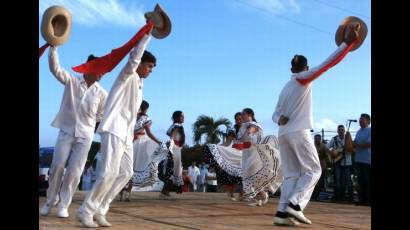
x: 226, y: 160
x: 145, y: 143
x: 170, y: 169
x: 253, y: 159
x: 261, y: 170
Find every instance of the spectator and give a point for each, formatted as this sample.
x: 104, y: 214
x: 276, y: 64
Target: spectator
x: 322, y: 150
x: 363, y: 159
x: 87, y: 176
x: 342, y: 163
x: 211, y: 181
x: 187, y: 181
x: 193, y: 172
x: 202, y: 177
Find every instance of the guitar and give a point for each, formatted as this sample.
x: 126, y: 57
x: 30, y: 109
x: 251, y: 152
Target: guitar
x: 348, y: 147
x: 338, y: 155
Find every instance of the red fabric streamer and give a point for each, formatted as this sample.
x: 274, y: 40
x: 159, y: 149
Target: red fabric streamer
x: 328, y: 66
x: 108, y: 62
x: 42, y: 49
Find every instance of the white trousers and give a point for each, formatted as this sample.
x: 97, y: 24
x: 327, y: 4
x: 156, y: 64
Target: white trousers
x: 301, y: 168
x: 115, y: 172
x: 70, y: 151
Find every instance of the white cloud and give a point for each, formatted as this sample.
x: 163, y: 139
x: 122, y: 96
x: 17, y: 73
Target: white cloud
x: 295, y: 6
x: 99, y: 12
x: 272, y: 6
x: 326, y: 124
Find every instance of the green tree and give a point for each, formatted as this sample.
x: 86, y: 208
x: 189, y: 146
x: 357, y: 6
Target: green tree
x: 205, y: 125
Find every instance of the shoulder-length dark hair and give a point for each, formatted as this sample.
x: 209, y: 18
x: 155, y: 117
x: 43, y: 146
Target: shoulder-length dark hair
x: 249, y: 111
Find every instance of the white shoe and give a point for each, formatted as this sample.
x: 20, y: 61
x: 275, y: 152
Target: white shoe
x: 101, y: 221
x: 298, y: 215
x: 264, y: 201
x: 87, y: 221
x: 257, y: 203
x: 62, y: 213
x: 45, y: 210
x: 284, y: 221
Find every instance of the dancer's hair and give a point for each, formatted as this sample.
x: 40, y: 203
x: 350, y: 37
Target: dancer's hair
x: 249, y: 111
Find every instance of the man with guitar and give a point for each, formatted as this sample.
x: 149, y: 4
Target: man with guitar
x: 341, y: 159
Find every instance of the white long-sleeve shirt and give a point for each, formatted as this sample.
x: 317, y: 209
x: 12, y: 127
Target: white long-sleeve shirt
x: 125, y: 97
x: 295, y: 99
x: 193, y: 172
x: 81, y: 106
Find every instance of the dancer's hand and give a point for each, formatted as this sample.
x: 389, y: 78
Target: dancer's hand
x: 283, y: 120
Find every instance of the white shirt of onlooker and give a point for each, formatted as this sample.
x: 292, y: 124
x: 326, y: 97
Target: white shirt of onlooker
x: 209, y: 181
x: 202, y: 176
x: 193, y: 172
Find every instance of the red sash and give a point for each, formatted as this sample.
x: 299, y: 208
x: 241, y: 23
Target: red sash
x: 138, y: 134
x: 179, y: 143
x: 243, y: 145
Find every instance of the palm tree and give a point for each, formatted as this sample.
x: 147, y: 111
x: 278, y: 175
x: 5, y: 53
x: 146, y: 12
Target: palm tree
x: 206, y: 125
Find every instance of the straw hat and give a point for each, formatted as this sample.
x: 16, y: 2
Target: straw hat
x: 351, y: 22
x: 162, y: 23
x: 56, y: 25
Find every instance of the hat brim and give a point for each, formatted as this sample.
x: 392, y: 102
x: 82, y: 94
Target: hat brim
x: 340, y: 32
x: 56, y: 25
x: 162, y: 23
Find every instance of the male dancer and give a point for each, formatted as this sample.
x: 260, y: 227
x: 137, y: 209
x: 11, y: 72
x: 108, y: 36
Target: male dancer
x: 300, y: 162
x: 81, y: 108
x: 116, y: 131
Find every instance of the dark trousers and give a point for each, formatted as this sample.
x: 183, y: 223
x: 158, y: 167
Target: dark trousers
x: 364, y: 182
x: 320, y: 186
x: 211, y: 188
x: 343, y: 181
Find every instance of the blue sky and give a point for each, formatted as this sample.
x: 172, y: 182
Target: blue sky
x: 221, y: 56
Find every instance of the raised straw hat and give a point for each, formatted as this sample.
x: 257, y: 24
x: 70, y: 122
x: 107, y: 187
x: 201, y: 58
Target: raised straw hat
x: 352, y: 22
x: 162, y: 23
x: 56, y: 25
